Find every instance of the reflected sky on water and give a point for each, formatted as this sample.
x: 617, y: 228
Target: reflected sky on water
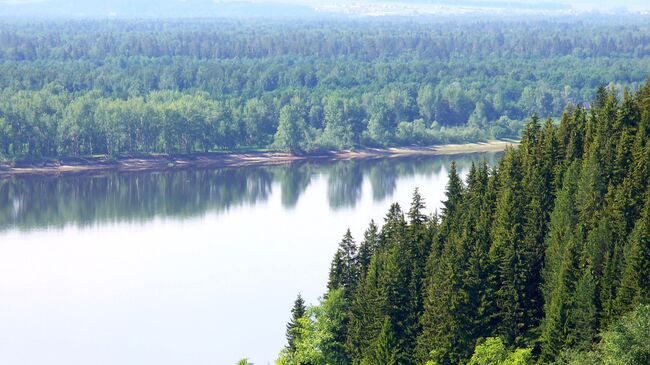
x: 183, y: 267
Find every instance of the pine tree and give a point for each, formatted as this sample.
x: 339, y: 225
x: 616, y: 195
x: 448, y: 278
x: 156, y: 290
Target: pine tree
x: 293, y: 327
x: 635, y: 281
x: 343, y: 279
x: 591, y: 190
x: 547, y: 248
x: 401, y: 303
x: 440, y: 326
x: 454, y: 194
x: 367, y: 247
x: 394, y: 227
x: 457, y: 286
x: 421, y: 246
x: 601, y: 96
x: 415, y: 213
x: 451, y: 207
x: 561, y: 263
x: 583, y: 317
x: 476, y: 229
x: 344, y: 268
x: 628, y: 114
x: 506, y: 252
x: 615, y: 213
x: 385, y: 352
x: 537, y: 183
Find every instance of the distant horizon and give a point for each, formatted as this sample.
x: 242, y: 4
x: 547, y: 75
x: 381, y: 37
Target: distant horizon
x: 312, y: 8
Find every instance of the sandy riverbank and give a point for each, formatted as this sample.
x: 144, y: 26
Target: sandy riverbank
x: 215, y: 160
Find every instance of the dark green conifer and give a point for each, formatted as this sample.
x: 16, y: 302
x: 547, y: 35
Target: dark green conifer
x: 293, y: 327
x: 344, y: 268
x: 635, y: 282
x: 367, y: 248
x: 506, y: 253
x: 385, y: 351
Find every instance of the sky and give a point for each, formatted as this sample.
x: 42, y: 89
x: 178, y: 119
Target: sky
x: 302, y: 8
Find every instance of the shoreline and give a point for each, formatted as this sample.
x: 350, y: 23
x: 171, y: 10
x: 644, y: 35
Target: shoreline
x: 221, y: 160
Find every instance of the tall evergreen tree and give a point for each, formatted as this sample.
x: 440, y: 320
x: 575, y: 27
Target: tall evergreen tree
x: 385, y: 352
x: 507, y: 253
x: 544, y: 250
x: 635, y: 282
x: 367, y: 248
x: 293, y: 327
x: 344, y: 269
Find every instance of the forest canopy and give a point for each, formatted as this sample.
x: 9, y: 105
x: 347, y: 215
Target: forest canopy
x: 542, y: 258
x: 85, y: 87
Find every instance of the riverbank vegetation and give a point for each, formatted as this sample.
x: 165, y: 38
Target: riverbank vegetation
x: 541, y: 258
x: 87, y: 87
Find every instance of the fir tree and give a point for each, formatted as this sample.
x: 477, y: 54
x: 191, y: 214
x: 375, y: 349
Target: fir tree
x: 293, y: 327
x: 344, y: 268
x: 385, y: 348
x: 635, y: 282
x: 367, y: 248
x: 454, y: 194
x: 367, y: 311
x: 557, y: 232
x: 506, y: 252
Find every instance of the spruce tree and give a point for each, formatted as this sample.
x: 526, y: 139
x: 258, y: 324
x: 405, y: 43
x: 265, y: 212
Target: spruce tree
x: 385, y: 352
x: 367, y: 311
x: 557, y: 232
x: 476, y: 268
x: 440, y: 323
x: 420, y: 243
x: 561, y: 263
x: 635, y: 282
x: 506, y: 252
x: 367, y: 248
x: 583, y: 317
x: 454, y: 194
x: 344, y: 268
x: 293, y: 327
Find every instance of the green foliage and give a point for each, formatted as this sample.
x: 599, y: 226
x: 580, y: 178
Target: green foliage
x: 344, y: 270
x: 294, y: 327
x: 75, y: 88
x: 627, y: 341
x: 291, y: 135
x: 528, y: 262
x: 494, y: 352
x: 385, y: 352
x: 315, y: 342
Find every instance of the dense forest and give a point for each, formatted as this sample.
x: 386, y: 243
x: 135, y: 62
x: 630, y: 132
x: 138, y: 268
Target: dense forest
x: 541, y: 258
x: 86, y: 87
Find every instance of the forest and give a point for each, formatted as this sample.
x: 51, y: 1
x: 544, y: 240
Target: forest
x: 73, y: 88
x: 543, y: 257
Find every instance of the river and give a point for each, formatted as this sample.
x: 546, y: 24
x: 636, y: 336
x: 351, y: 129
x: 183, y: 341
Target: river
x: 188, y: 266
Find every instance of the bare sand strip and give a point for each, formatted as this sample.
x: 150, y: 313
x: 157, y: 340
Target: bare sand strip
x: 215, y: 160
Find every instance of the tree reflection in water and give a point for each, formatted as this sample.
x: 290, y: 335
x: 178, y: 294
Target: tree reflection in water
x: 28, y: 202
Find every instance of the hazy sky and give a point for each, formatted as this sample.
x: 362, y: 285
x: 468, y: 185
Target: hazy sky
x: 299, y: 8
x: 604, y: 4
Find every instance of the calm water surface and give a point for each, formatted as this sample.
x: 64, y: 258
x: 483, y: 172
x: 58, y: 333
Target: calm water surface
x: 183, y: 267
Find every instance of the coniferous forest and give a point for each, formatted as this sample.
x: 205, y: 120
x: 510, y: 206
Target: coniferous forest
x: 87, y: 87
x: 543, y: 258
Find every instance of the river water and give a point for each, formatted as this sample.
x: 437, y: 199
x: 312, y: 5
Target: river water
x: 183, y: 267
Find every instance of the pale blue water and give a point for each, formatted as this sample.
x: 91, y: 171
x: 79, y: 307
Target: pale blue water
x: 186, y: 267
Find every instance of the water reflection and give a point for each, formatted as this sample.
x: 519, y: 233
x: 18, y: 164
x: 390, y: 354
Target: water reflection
x: 28, y: 202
